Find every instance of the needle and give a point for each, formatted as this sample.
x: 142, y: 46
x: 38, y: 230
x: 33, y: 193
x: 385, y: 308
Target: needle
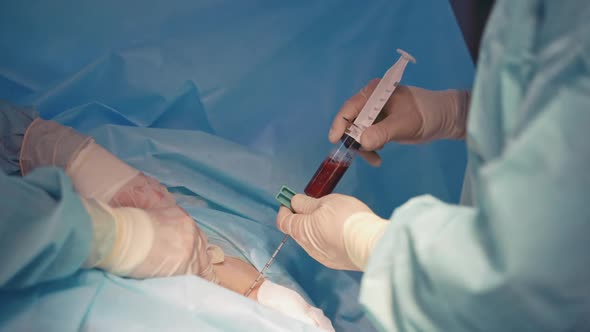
x: 266, y: 266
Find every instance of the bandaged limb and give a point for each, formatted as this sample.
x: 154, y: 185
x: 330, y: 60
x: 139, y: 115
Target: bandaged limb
x: 238, y: 275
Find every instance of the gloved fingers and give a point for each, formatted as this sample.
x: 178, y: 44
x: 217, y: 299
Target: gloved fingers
x: 390, y: 120
x: 164, y: 197
x: 293, y: 225
x: 304, y: 204
x: 205, y: 256
x: 284, y: 220
x: 179, y: 247
x: 143, y: 192
x: 401, y: 120
x: 202, y: 258
x: 301, y: 230
x: 399, y: 126
x: 174, y: 245
x: 204, y: 266
x: 371, y: 157
x: 349, y: 111
x: 375, y: 137
x: 124, y: 199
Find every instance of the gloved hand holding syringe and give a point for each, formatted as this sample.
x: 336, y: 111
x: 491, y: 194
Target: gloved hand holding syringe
x: 335, y: 165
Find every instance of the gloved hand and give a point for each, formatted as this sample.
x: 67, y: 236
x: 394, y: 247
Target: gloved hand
x: 142, y: 192
x: 338, y: 231
x: 411, y: 115
x: 291, y: 304
x: 141, y: 244
x: 95, y: 172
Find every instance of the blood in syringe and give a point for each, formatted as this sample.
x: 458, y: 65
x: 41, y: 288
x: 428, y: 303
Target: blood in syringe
x: 326, y: 178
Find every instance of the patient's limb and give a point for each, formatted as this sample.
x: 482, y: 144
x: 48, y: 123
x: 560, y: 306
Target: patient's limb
x: 238, y: 276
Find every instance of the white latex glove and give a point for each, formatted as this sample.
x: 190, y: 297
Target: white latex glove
x: 143, y: 192
x: 411, y: 115
x: 149, y: 243
x: 338, y: 231
x: 292, y: 304
x: 95, y: 172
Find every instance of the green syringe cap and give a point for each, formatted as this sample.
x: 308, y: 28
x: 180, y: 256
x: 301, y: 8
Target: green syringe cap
x: 284, y: 196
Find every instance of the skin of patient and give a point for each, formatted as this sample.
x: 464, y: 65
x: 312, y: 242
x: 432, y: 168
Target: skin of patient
x: 237, y: 275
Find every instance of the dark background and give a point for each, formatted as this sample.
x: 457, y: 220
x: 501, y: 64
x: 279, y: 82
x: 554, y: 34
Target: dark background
x: 472, y: 16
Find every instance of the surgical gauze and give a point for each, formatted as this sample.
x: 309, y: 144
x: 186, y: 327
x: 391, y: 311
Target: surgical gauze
x: 292, y: 304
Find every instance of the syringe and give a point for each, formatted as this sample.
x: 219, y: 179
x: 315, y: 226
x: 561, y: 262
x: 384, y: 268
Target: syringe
x: 335, y: 165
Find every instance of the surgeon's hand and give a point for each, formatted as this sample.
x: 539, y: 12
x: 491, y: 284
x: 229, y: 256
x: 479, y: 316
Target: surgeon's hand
x: 338, y: 231
x: 143, y: 192
x: 141, y: 244
x: 95, y: 172
x: 411, y: 115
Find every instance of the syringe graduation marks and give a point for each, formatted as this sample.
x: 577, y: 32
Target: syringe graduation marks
x: 335, y: 165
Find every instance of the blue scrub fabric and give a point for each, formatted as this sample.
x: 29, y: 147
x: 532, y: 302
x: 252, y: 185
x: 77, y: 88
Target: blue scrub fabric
x: 517, y: 258
x: 223, y: 102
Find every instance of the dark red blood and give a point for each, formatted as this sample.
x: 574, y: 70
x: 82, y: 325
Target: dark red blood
x: 325, y: 178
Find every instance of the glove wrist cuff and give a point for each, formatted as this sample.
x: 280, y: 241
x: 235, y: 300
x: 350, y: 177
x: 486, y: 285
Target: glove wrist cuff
x: 48, y: 143
x: 134, y: 239
x: 361, y: 233
x: 460, y: 105
x: 122, y: 237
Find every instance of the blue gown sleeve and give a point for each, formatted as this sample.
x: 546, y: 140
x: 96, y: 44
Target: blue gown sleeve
x: 46, y: 232
x: 14, y: 121
x: 519, y: 260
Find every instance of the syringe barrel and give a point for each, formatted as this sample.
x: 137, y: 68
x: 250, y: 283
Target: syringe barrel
x: 346, y: 150
x: 332, y: 168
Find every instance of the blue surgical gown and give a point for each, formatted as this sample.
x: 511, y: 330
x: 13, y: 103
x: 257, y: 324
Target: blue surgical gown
x: 46, y: 232
x: 14, y: 121
x: 518, y: 258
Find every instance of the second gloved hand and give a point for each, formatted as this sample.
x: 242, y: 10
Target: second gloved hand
x: 95, y: 172
x: 338, y: 231
x: 411, y: 115
x: 149, y: 243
